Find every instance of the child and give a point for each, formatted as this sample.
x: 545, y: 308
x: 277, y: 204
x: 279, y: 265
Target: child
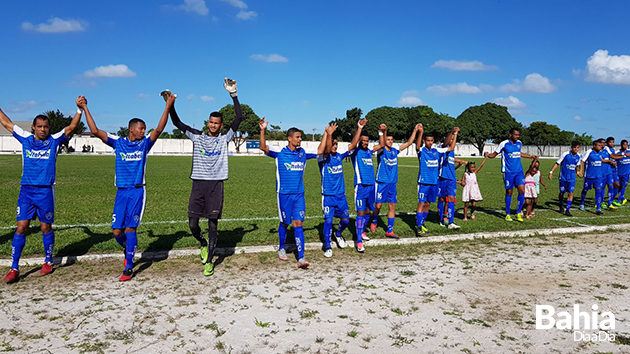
x: 471, y: 193
x: 532, y: 178
x: 538, y: 181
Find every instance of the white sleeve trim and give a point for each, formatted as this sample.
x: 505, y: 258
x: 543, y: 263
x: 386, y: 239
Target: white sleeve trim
x: 442, y: 150
x: 59, y: 134
x: 564, y: 154
x: 112, y: 136
x: 19, y: 131
x: 585, y: 157
x: 500, y: 147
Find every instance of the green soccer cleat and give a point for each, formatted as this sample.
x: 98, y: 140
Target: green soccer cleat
x: 208, y: 269
x: 519, y: 217
x: 616, y: 204
x: 203, y: 254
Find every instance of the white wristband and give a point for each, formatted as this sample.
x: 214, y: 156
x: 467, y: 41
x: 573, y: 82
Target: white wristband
x: 380, y: 133
x: 550, y: 172
x: 79, y: 111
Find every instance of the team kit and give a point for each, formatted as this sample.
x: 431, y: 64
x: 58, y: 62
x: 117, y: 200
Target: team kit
x: 601, y: 166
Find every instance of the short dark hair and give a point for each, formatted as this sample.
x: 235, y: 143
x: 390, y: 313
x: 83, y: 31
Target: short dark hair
x: 610, y: 138
x: 575, y: 143
x: 41, y: 117
x: 514, y: 130
x: 292, y: 131
x: 217, y: 114
x: 470, y: 163
x: 601, y: 140
x: 624, y: 141
x: 429, y: 135
x: 134, y: 121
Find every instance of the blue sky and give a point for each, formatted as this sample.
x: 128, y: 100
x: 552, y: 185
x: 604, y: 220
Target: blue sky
x: 304, y: 63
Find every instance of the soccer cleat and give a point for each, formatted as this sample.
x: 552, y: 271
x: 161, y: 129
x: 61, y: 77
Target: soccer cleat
x: 372, y: 228
x: 519, y: 217
x: 360, y: 247
x: 568, y: 213
x: 598, y: 212
x: 46, y: 268
x: 341, y: 242
x: 208, y: 269
x: 203, y: 254
x: 419, y: 231
x: 391, y: 235
x: 303, y: 264
x: 452, y: 226
x: 424, y: 229
x: 442, y: 224
x: 282, y: 254
x: 582, y: 207
x: 615, y: 203
x: 508, y: 217
x: 612, y: 207
x: 624, y: 201
x: 328, y: 253
x: 364, y: 237
x: 12, y: 276
x: 126, y: 275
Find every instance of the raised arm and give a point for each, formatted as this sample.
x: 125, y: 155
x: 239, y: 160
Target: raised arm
x: 175, y: 118
x: 451, y: 147
x: 482, y: 163
x: 90, y: 121
x: 382, y: 133
x: 6, y: 122
x: 327, y: 139
x: 412, y: 138
x: 357, y: 134
x: 155, y: 134
x: 263, y: 142
x: 419, y: 138
x: 77, y: 118
x: 321, y: 149
x: 230, y: 86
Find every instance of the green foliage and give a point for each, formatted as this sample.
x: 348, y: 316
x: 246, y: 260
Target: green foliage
x: 58, y: 122
x: 347, y: 125
x: 178, y: 134
x: 543, y: 134
x: 247, y: 129
x: 489, y: 121
x: 123, y: 132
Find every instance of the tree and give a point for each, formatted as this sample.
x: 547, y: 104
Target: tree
x: 541, y: 135
x: 178, y: 134
x: 123, y: 132
x: 440, y: 125
x: 248, y: 128
x: 58, y: 123
x: 489, y: 121
x: 347, y: 125
x: 585, y: 140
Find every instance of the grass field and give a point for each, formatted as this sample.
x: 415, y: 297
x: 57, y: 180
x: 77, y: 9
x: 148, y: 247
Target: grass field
x: 85, y: 197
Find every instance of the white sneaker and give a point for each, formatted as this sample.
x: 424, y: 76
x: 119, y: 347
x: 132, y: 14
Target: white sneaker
x: 341, y: 242
x: 365, y: 237
x: 360, y: 247
x: 328, y: 253
x: 452, y: 226
x: 282, y: 254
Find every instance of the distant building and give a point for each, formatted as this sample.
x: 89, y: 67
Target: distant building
x: 23, y: 124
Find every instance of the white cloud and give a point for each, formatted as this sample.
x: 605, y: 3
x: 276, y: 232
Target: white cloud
x: 577, y: 118
x: 142, y: 96
x: 120, y: 70
x: 191, y: 97
x: 533, y: 83
x: 410, y: 98
x: 205, y: 98
x: 269, y: 58
x: 246, y: 15
x: 22, y: 106
x: 197, y: 6
x: 513, y: 104
x: 608, y: 69
x: 237, y: 3
x: 463, y: 65
x: 451, y: 89
x: 56, y: 25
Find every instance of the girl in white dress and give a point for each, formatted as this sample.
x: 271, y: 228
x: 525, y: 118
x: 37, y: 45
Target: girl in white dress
x: 471, y: 193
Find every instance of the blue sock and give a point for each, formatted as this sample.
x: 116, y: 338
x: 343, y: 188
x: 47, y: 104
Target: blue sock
x: 569, y: 202
x: 328, y: 224
x: 419, y: 220
x: 508, y: 204
x: 122, y: 240
x: 424, y: 217
x: 622, y: 193
x: 299, y: 240
x: 521, y: 201
x: 49, y: 244
x: 359, y: 223
x: 611, y: 195
x: 367, y: 220
x: 130, y: 251
x: 282, y: 235
x: 342, y: 226
x: 598, y: 198
x: 583, y: 196
x: 441, y: 210
x: 390, y: 225
x: 16, y: 249
x: 374, y: 219
x: 451, y: 212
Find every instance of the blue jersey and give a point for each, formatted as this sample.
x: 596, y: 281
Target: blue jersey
x: 623, y: 164
x: 39, y: 157
x: 290, y: 169
x: 387, y: 170
x: 510, y: 156
x: 593, y: 162
x: 447, y: 166
x: 568, y: 163
x: 363, y: 166
x: 331, y: 170
x: 608, y: 169
x: 429, y: 164
x: 131, y: 160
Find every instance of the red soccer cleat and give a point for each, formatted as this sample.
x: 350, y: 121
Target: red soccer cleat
x: 391, y: 235
x: 46, y: 268
x: 12, y: 276
x: 126, y: 275
x: 373, y: 227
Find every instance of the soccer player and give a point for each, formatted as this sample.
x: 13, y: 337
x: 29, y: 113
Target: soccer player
x: 37, y: 187
x: 387, y: 176
x: 593, y: 177
x: 429, y: 158
x: 611, y: 179
x: 568, y: 162
x: 364, y: 196
x: 209, y: 170
x: 334, y: 203
x: 290, y: 164
x: 447, y: 185
x: 512, y: 169
x: 131, y: 160
x: 623, y: 170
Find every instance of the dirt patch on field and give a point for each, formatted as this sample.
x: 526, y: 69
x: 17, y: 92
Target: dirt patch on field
x: 471, y: 297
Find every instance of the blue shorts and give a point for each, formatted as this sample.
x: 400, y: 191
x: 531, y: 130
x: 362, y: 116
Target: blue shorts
x: 364, y: 197
x: 335, y: 206
x: 36, y: 199
x: 427, y: 193
x: 511, y: 180
x: 386, y: 192
x: 593, y: 183
x: 447, y: 188
x: 567, y: 186
x: 623, y: 180
x: 291, y: 207
x: 610, y: 178
x: 128, y: 207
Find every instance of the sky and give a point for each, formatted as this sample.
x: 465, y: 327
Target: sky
x: 304, y: 63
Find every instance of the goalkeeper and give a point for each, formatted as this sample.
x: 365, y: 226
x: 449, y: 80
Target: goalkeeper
x: 209, y: 170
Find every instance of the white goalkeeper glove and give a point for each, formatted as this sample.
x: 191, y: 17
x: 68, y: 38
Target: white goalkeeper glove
x: 230, y: 86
